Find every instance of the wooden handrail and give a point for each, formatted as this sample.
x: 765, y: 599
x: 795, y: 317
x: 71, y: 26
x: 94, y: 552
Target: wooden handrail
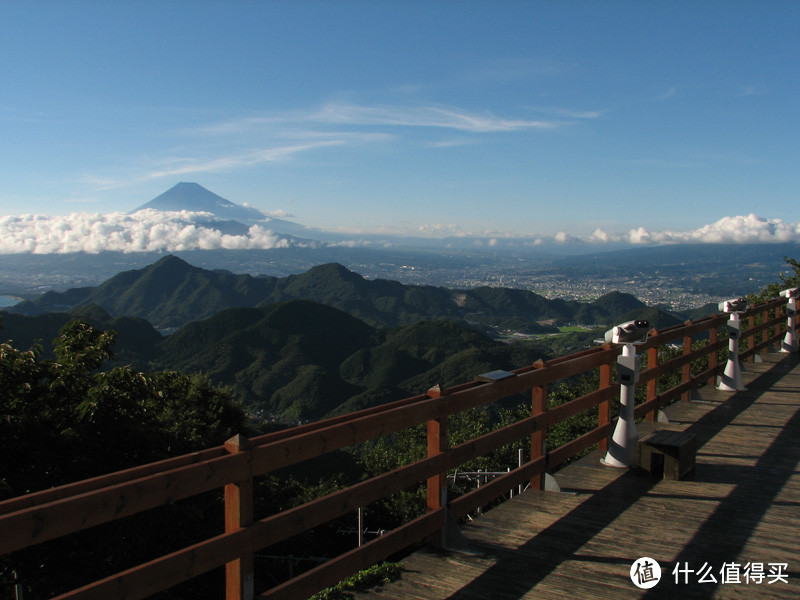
x: 49, y: 514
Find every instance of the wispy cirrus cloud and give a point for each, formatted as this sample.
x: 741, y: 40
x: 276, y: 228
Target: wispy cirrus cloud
x: 270, y: 137
x: 226, y: 163
x: 214, y: 162
x: 434, y: 116
x: 337, y: 113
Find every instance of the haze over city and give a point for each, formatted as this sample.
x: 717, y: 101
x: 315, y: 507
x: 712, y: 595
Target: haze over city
x: 613, y: 121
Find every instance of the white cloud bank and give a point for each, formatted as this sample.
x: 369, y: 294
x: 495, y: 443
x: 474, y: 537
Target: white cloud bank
x: 143, y: 231
x: 748, y: 229
x: 150, y: 231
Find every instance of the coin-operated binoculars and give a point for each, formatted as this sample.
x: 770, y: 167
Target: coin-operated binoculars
x: 622, y: 447
x: 789, y: 343
x: 731, y: 380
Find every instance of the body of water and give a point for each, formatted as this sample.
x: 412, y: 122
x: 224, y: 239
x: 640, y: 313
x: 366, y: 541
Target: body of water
x: 6, y: 301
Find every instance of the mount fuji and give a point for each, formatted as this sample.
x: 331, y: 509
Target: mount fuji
x: 227, y: 216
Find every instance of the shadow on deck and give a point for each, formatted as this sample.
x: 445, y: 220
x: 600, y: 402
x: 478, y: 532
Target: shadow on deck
x: 740, y: 511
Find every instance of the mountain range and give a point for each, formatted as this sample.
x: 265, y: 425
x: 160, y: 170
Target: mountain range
x: 323, y: 342
x: 170, y: 292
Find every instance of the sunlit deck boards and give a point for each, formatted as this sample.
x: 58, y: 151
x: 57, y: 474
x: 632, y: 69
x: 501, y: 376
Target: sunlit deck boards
x: 743, y: 506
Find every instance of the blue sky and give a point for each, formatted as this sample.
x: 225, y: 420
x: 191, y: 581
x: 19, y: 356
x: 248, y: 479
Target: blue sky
x: 447, y: 117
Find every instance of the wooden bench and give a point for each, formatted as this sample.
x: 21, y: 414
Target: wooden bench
x: 668, y: 454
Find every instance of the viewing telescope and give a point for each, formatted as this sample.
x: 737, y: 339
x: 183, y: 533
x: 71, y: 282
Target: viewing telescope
x: 733, y: 306
x: 629, y: 332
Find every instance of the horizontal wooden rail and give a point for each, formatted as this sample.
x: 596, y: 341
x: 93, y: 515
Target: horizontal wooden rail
x: 49, y: 514
x: 374, y: 551
x: 466, y: 503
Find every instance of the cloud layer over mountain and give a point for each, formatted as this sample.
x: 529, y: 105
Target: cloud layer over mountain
x: 143, y: 231
x: 170, y: 231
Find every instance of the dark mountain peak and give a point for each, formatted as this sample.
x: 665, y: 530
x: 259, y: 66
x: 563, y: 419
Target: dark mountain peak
x: 92, y: 312
x: 324, y: 280
x: 170, y: 262
x: 618, y: 302
x: 309, y: 316
x: 336, y: 270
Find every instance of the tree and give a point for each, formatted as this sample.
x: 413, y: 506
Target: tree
x: 64, y: 420
x: 791, y: 279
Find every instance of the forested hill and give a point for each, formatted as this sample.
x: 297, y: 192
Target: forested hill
x: 170, y: 293
x: 294, y: 360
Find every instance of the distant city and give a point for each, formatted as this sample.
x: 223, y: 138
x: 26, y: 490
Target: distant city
x: 701, y: 278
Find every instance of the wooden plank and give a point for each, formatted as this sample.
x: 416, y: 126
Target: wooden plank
x: 290, y: 522
x: 437, y: 444
x: 239, y: 578
x: 538, y: 437
x: 102, y: 481
x: 162, y: 573
x: 68, y: 515
x: 484, y: 444
x: 580, y: 404
x: 604, y: 407
x: 169, y: 570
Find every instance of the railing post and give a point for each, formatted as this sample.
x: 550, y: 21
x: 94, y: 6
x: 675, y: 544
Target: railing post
x: 239, y: 582
x: 751, y: 339
x: 604, y: 408
x: 437, y: 444
x: 538, y: 438
x: 713, y: 358
x: 652, y: 385
x: 686, y: 371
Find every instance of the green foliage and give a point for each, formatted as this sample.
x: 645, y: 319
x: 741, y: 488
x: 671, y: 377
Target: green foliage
x: 789, y: 279
x: 363, y: 580
x: 63, y: 420
x: 134, y: 343
x: 298, y: 360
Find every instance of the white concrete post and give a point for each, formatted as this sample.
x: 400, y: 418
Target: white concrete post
x: 789, y: 343
x: 731, y: 380
x: 622, y: 447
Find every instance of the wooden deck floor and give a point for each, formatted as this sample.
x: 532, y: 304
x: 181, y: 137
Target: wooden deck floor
x: 743, y: 506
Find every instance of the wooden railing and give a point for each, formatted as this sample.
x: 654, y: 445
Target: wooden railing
x: 38, y: 517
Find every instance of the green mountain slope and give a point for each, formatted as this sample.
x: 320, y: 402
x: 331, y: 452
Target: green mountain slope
x: 378, y: 302
x: 299, y: 360
x: 170, y: 293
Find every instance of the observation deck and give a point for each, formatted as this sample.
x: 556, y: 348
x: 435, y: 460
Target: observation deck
x: 742, y: 507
